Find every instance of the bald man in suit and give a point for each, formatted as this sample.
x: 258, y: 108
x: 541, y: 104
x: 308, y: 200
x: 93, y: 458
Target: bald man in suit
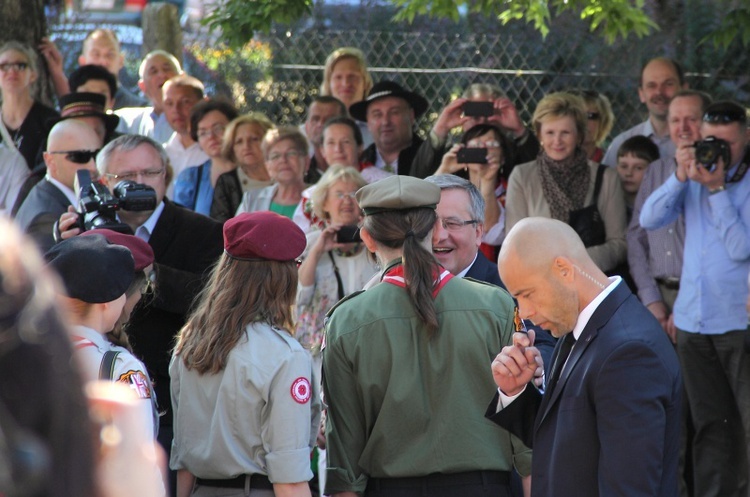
x: 608, y: 422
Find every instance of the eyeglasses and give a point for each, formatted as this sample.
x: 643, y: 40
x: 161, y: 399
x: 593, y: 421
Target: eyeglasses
x: 17, y: 66
x: 725, y: 116
x: 593, y: 116
x: 215, y: 130
x: 148, y: 173
x: 342, y: 195
x: 453, y: 224
x: 78, y: 156
x: 480, y: 144
x: 288, y: 155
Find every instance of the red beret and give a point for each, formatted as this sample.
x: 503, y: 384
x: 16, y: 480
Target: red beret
x: 143, y: 255
x: 263, y: 235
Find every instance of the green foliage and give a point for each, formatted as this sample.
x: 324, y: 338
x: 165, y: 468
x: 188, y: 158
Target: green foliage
x: 239, y: 20
x: 613, y: 18
x: 735, y: 25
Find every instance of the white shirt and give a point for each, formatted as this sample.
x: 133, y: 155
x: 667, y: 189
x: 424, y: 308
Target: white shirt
x: 181, y: 158
x: 70, y: 194
x: 145, y: 230
x: 13, y: 173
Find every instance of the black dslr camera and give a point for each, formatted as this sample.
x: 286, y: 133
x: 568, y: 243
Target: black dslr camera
x: 708, y: 151
x: 98, y: 207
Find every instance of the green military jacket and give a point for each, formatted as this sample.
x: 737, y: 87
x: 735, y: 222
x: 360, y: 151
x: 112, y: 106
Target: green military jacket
x: 403, y: 404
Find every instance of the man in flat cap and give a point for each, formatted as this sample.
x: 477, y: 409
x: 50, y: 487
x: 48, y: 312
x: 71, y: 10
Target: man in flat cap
x: 405, y: 365
x: 390, y: 112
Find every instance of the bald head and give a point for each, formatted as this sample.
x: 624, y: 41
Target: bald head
x: 545, y: 266
x: 65, y: 137
x: 537, y: 241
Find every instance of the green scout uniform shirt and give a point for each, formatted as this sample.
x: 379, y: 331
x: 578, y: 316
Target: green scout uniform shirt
x: 401, y: 404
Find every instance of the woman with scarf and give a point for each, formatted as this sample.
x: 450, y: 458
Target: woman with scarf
x: 563, y: 184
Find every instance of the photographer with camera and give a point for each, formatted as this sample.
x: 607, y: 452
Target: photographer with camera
x: 711, y: 188
x: 185, y: 246
x: 480, y: 103
x: 335, y: 263
x: 71, y: 146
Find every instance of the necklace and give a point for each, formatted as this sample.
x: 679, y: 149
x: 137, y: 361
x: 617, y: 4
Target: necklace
x: 348, y: 253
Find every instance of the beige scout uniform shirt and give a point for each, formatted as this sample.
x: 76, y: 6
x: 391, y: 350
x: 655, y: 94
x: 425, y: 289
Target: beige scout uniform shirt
x: 260, y: 415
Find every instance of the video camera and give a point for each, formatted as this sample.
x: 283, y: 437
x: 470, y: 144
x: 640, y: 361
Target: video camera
x: 98, y: 206
x: 708, y: 151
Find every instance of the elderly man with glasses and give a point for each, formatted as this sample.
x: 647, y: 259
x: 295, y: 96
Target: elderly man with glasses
x: 711, y: 188
x: 71, y: 145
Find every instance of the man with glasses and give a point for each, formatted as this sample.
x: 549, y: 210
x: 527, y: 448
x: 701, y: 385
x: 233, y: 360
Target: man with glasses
x: 661, y: 78
x: 710, y: 313
x: 71, y: 145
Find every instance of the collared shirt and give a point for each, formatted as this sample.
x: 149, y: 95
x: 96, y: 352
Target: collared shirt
x: 654, y: 253
x: 380, y: 163
x: 713, y: 286
x: 145, y: 230
x: 462, y: 274
x: 181, y: 158
x: 70, y: 194
x: 144, y: 121
x: 666, y: 147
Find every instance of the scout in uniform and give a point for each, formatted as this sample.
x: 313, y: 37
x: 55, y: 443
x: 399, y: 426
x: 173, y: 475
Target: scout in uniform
x: 246, y: 410
x: 97, y: 275
x: 405, y: 371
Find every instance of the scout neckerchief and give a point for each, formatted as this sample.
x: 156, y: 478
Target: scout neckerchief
x: 395, y: 276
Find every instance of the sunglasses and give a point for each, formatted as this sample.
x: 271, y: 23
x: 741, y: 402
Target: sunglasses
x: 725, y: 116
x: 78, y: 156
x: 593, y: 116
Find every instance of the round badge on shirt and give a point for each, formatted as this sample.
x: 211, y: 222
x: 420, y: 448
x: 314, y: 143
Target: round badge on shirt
x: 301, y: 390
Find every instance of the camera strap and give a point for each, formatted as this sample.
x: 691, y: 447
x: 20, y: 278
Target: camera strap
x: 742, y: 169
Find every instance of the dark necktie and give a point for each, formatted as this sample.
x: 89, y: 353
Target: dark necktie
x: 560, y: 361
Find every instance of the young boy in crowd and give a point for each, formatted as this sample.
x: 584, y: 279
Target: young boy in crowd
x: 633, y: 158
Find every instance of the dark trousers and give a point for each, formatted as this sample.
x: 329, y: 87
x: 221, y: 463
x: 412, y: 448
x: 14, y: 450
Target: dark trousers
x: 469, y: 484
x: 716, y: 371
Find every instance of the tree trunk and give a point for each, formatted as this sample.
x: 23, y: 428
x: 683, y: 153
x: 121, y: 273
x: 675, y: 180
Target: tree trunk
x: 161, y: 29
x: 24, y: 21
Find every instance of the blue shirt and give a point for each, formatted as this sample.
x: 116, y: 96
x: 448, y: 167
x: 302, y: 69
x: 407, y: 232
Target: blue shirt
x: 193, y: 188
x: 714, y: 282
x: 666, y: 146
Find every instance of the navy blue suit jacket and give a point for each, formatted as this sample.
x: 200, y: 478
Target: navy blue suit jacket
x: 611, y: 425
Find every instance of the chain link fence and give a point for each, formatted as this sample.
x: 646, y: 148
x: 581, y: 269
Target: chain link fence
x: 283, y: 70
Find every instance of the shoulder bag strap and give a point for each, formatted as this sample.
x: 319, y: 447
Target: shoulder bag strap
x: 338, y: 276
x: 107, y: 367
x: 598, y: 182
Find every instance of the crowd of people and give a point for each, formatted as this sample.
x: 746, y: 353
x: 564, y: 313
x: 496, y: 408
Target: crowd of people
x: 316, y: 310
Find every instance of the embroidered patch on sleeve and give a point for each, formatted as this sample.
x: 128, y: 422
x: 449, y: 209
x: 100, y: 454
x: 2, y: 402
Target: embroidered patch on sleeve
x: 138, y: 382
x: 301, y: 390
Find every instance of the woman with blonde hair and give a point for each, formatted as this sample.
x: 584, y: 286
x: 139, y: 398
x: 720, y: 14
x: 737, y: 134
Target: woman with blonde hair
x: 346, y: 77
x: 563, y: 184
x: 25, y: 121
x: 241, y: 145
x: 599, y: 122
x: 245, y: 406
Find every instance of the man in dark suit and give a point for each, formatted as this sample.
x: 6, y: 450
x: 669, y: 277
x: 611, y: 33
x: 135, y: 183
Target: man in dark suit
x: 71, y: 146
x: 609, y: 420
x: 185, y: 246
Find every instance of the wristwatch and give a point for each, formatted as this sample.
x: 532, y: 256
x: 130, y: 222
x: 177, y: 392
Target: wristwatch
x: 718, y: 189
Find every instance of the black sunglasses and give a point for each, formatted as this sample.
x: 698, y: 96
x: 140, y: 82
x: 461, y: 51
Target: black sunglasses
x: 78, y: 156
x: 593, y: 116
x: 725, y: 116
